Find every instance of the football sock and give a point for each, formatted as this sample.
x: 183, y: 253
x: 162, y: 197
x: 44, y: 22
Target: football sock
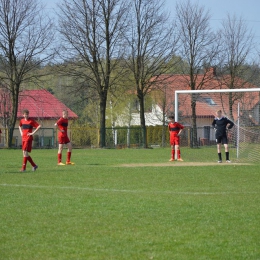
x: 219, y: 157
x: 59, y: 157
x: 227, y: 156
x: 31, y: 161
x: 179, y: 153
x: 68, y: 156
x: 173, y: 152
x: 24, y: 163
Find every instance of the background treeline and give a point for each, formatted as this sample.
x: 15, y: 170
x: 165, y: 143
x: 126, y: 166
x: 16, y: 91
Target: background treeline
x: 104, y: 58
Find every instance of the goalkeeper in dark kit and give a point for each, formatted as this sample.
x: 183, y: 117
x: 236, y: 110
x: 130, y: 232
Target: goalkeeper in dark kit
x: 221, y: 124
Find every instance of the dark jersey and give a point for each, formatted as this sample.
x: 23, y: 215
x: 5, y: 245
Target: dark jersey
x: 220, y: 124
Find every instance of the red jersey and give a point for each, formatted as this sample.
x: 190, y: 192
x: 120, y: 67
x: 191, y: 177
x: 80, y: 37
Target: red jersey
x: 62, y: 124
x: 175, y: 128
x: 27, y: 127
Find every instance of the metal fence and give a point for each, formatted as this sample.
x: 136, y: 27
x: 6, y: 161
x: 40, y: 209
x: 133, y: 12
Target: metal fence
x: 44, y: 138
x: 121, y: 137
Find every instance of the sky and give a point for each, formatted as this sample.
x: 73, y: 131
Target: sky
x: 248, y: 10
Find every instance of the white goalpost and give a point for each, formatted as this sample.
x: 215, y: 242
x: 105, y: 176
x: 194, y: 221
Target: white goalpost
x: 243, y: 133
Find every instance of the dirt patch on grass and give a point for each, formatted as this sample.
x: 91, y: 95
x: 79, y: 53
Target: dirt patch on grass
x: 178, y: 164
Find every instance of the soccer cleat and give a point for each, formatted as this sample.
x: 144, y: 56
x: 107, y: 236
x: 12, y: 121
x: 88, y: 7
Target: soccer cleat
x: 70, y: 163
x: 179, y: 160
x: 22, y: 170
x: 171, y: 160
x: 60, y: 163
x: 34, y: 168
x: 228, y: 161
x: 219, y: 161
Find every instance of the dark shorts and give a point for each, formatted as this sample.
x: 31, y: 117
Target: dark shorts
x: 27, y: 146
x: 63, y: 140
x: 222, y: 139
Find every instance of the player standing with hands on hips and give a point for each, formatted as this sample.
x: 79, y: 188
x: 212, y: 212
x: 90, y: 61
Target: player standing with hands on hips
x: 175, y: 130
x: 26, y: 130
x: 221, y: 124
x: 62, y: 126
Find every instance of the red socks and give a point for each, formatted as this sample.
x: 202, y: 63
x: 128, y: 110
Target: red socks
x: 68, y: 156
x: 25, y: 159
x: 179, y: 154
x: 59, y: 157
x: 31, y: 161
x: 24, y: 163
x: 173, y: 153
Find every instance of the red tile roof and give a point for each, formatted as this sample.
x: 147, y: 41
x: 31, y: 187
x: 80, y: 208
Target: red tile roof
x: 170, y: 83
x: 42, y: 105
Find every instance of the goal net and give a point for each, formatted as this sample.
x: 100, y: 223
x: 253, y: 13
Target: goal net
x: 196, y: 110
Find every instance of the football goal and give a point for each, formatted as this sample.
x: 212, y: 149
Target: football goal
x: 196, y: 110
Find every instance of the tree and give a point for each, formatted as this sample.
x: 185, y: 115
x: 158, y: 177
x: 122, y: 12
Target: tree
x: 152, y: 44
x: 5, y: 108
x: 198, y: 47
x: 92, y: 46
x: 237, y: 45
x: 25, y: 35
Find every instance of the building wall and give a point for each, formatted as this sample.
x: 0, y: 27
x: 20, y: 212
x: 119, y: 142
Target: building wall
x: 46, y: 136
x: 49, y: 123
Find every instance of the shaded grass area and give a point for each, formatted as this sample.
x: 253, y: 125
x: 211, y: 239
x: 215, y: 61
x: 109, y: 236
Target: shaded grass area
x: 97, y: 210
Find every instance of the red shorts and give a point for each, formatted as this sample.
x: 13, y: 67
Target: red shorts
x: 174, y: 140
x: 27, y: 146
x: 63, y: 139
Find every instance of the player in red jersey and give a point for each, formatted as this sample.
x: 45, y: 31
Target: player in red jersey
x: 175, y: 130
x: 62, y: 126
x: 26, y: 130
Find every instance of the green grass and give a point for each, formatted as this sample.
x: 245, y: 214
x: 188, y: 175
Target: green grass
x: 98, y: 209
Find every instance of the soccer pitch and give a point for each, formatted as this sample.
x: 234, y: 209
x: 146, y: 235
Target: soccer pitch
x: 127, y: 204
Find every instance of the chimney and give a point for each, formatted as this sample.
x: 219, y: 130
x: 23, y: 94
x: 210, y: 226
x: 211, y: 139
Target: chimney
x: 212, y: 72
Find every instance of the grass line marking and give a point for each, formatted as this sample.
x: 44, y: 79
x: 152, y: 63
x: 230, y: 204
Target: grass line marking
x: 178, y: 164
x: 123, y: 190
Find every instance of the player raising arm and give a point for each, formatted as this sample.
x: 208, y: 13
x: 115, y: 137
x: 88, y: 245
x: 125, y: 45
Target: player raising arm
x: 62, y: 126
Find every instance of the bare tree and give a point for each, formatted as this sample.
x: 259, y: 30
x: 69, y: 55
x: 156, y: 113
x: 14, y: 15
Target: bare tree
x: 198, y: 47
x: 152, y: 45
x: 92, y: 46
x: 160, y: 97
x: 238, y: 45
x: 5, y: 108
x: 25, y: 35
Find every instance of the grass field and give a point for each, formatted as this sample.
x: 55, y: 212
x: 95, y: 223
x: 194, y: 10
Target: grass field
x: 102, y: 209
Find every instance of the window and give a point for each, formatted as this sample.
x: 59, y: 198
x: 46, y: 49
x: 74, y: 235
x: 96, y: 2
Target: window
x: 209, y: 101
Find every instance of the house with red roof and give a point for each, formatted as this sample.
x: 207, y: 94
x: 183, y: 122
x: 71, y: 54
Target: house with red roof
x: 206, y: 103
x: 44, y: 107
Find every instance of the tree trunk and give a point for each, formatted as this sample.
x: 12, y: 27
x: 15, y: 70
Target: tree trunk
x: 163, y: 128
x: 102, y: 121
x: 142, y: 119
x: 13, y: 116
x: 194, y: 123
x: 230, y: 103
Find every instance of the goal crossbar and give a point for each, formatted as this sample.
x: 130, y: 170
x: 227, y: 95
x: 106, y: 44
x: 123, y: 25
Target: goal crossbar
x: 177, y: 92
